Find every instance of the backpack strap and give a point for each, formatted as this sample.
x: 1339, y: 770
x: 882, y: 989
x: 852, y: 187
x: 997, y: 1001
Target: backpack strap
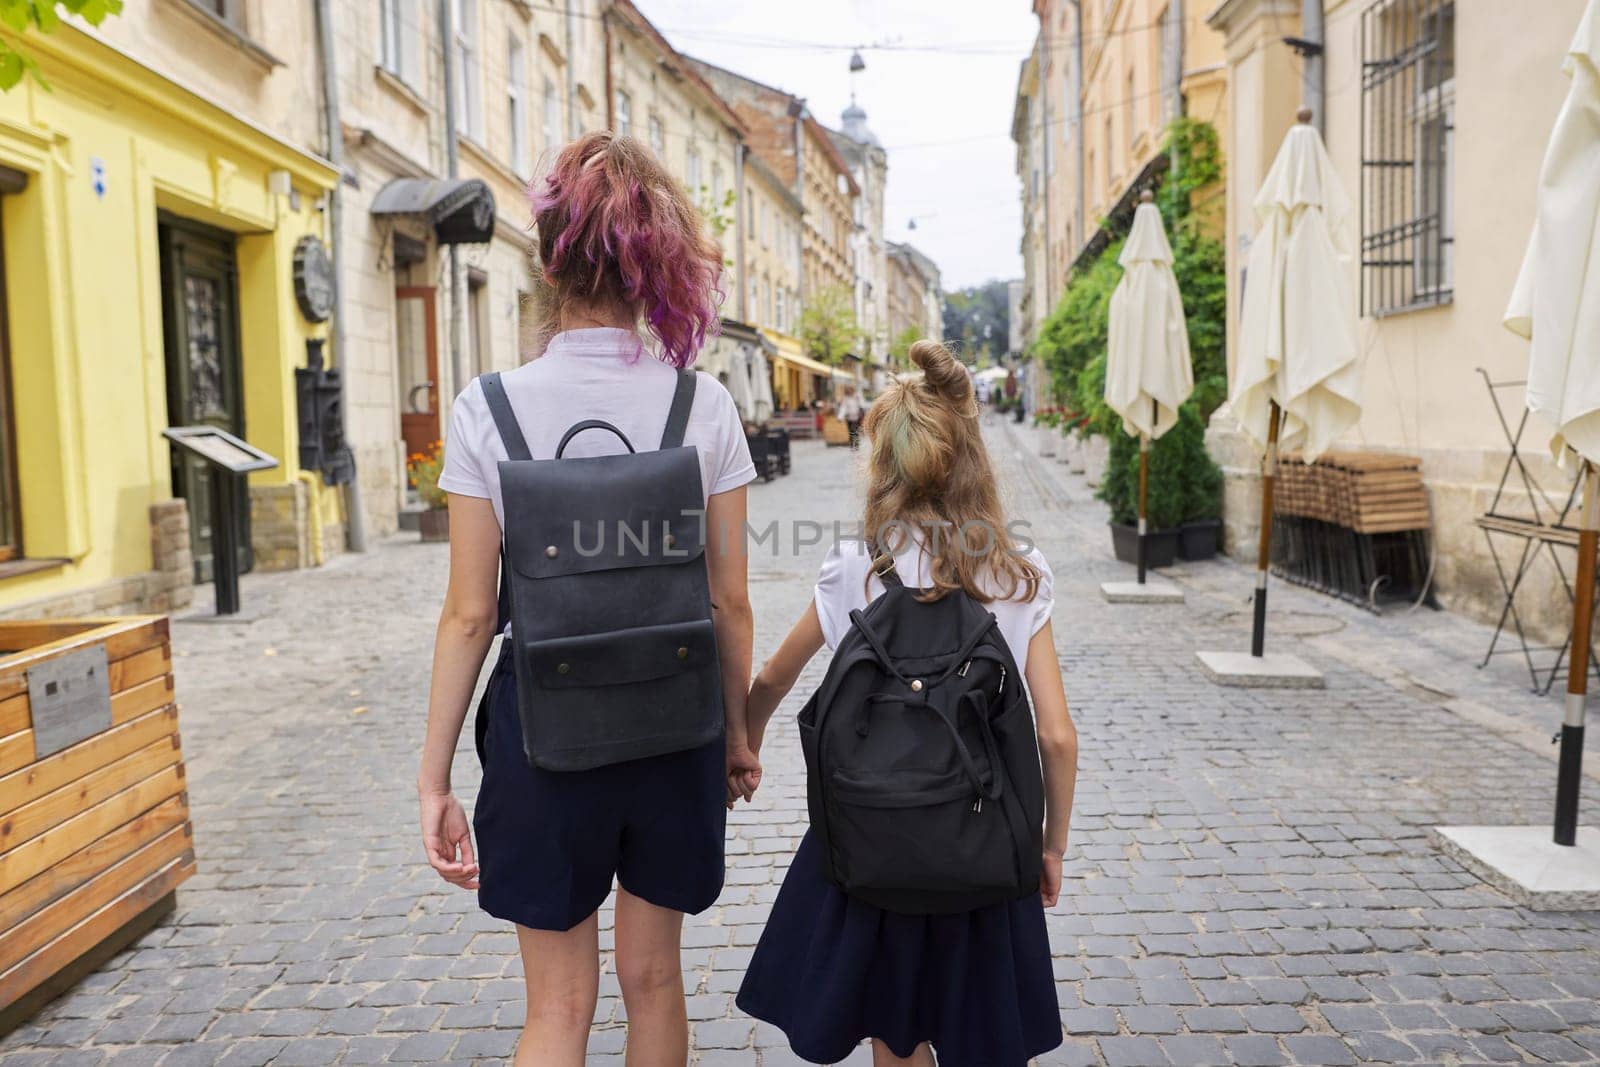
x: 888, y: 575
x: 505, y: 420
x: 678, y: 415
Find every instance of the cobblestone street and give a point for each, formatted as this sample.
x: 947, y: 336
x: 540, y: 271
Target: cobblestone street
x: 1250, y: 879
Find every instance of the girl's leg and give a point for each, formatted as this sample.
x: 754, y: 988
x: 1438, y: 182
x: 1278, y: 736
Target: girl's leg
x: 882, y: 1057
x: 562, y: 972
x: 650, y: 971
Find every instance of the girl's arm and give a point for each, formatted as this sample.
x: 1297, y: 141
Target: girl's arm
x: 466, y: 629
x: 779, y: 673
x: 1058, y: 751
x: 728, y: 573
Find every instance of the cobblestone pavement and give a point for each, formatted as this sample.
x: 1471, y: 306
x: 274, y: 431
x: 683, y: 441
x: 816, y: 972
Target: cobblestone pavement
x: 1250, y: 877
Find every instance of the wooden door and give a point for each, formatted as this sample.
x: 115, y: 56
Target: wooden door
x: 200, y: 320
x: 417, y: 357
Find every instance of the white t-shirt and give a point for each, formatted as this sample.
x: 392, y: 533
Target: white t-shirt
x: 842, y: 588
x: 593, y: 374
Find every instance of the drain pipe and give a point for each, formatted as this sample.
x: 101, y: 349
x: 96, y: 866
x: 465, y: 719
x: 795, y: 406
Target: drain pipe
x: 1312, y: 36
x: 355, y: 513
x: 1079, y: 134
x: 458, y: 366
x: 572, y: 75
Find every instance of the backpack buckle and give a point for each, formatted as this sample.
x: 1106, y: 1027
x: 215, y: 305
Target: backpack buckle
x: 962, y: 673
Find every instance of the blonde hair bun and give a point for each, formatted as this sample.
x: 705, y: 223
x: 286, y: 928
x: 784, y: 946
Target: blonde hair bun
x: 942, y: 371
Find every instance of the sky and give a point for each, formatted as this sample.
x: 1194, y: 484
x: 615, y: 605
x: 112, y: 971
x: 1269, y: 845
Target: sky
x: 938, y: 89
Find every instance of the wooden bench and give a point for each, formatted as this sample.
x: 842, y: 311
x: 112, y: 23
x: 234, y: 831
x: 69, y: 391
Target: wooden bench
x: 94, y: 834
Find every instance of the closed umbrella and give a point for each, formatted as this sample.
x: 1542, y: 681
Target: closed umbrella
x: 1297, y: 382
x: 1148, y: 374
x: 761, y: 404
x: 1556, y: 304
x: 739, y: 380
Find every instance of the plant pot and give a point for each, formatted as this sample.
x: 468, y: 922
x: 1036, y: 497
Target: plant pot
x: 1072, y: 452
x: 1096, y: 453
x: 1200, y: 539
x: 1047, y: 436
x: 434, y: 524
x: 1161, y: 546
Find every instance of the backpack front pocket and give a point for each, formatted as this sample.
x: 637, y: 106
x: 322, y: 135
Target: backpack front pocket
x: 620, y: 695
x: 918, y: 831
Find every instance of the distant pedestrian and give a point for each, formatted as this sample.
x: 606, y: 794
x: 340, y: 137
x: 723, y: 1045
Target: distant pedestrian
x: 983, y: 395
x: 850, y: 411
x: 620, y: 242
x: 832, y: 969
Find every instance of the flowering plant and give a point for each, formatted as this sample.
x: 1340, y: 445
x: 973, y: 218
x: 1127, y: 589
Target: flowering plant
x: 423, y: 470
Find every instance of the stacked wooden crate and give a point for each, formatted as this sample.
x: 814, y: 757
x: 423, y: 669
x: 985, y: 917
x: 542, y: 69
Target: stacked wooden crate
x: 1367, y: 492
x: 94, y: 836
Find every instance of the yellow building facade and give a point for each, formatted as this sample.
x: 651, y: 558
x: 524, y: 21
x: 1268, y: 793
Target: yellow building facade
x: 149, y: 237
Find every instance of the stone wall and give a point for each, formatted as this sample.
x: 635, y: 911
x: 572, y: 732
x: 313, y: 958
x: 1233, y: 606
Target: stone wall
x: 280, y: 527
x: 1461, y: 486
x: 167, y: 587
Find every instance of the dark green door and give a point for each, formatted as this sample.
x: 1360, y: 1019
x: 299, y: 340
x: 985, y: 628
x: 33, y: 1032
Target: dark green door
x: 200, y: 317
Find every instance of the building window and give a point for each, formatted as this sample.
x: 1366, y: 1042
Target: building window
x: 624, y: 114
x: 229, y: 11
x: 402, y: 39
x: 716, y: 184
x: 778, y: 320
x: 692, y: 170
x: 517, y: 106
x: 658, y: 139
x: 469, y: 78
x: 750, y: 216
x: 1407, y: 154
x: 766, y: 225
x: 552, y: 115
x: 1110, y: 175
x: 1133, y: 110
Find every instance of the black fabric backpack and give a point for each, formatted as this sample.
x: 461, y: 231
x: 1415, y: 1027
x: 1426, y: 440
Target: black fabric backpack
x: 603, y: 579
x: 922, y: 768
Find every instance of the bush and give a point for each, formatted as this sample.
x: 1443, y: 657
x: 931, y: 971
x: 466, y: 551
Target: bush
x: 1185, y: 482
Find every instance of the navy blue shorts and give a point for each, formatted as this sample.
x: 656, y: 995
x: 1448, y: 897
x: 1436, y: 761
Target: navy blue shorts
x: 551, y: 842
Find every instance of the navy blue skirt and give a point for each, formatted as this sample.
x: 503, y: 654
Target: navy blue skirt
x: 831, y: 971
x: 550, y: 843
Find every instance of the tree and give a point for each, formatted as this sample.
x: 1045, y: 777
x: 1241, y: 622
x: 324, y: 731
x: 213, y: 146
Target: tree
x: 977, y: 319
x: 900, y: 347
x: 19, y: 16
x: 828, y: 324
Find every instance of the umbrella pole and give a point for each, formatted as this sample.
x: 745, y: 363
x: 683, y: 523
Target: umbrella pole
x: 1269, y: 474
x: 1144, y: 492
x: 1569, y: 775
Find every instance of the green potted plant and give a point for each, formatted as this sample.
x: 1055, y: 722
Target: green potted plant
x: 1185, y: 488
x: 423, y: 469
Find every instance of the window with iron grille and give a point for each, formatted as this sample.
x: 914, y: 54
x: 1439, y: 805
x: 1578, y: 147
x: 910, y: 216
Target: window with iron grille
x: 1407, y: 154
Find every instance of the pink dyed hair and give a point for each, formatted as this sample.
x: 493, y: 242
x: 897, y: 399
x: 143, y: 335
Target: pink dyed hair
x: 614, y: 227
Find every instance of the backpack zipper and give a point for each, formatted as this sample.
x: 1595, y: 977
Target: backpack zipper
x: 977, y: 806
x: 1001, y: 691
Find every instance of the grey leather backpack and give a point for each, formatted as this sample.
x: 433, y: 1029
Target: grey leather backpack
x: 603, y: 578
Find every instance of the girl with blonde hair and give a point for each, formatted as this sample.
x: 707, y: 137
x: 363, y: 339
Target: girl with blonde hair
x: 831, y: 969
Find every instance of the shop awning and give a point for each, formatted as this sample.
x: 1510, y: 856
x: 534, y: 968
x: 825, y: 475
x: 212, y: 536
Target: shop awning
x: 460, y: 210
x: 806, y: 363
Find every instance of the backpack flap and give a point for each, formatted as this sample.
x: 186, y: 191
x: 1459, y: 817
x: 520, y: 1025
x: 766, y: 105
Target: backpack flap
x: 623, y: 657
x: 620, y: 511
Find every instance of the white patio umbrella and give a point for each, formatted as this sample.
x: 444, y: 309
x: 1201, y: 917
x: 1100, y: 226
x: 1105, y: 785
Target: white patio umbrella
x: 1148, y: 373
x: 1556, y: 304
x: 1297, y: 382
x: 761, y: 403
x: 739, y: 380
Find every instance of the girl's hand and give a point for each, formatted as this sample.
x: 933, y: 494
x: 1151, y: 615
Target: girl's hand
x: 447, y: 839
x: 1050, y: 878
x: 744, y: 772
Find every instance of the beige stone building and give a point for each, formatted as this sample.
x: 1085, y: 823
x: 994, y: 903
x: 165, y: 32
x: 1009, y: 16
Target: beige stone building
x: 1442, y: 158
x: 916, y: 298
x: 1028, y: 131
x: 1111, y: 74
x: 869, y: 166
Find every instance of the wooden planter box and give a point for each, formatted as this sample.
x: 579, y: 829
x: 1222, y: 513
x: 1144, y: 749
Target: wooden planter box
x: 834, y: 431
x: 94, y: 817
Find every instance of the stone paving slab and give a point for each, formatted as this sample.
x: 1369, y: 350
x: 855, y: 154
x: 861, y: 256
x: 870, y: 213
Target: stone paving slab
x: 1250, y: 879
